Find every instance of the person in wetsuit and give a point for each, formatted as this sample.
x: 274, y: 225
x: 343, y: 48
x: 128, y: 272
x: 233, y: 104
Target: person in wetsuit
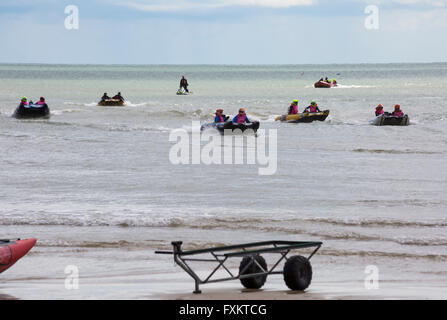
x: 118, y: 96
x: 184, y: 84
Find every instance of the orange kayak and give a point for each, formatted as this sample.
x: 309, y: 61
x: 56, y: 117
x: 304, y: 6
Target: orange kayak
x: 13, y: 250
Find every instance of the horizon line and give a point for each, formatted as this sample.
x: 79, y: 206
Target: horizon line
x: 213, y: 64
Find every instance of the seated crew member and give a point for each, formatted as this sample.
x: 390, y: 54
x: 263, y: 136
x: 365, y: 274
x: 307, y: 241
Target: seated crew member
x: 293, y: 109
x: 24, y: 101
x: 379, y: 110
x: 397, y: 112
x: 220, y: 117
x: 41, y: 101
x: 313, y: 108
x: 241, y: 117
x: 118, y: 96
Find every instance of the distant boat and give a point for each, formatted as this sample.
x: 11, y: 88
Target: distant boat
x: 325, y: 84
x: 111, y: 103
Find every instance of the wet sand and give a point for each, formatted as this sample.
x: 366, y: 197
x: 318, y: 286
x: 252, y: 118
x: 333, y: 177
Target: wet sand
x: 137, y: 273
x: 140, y: 285
x: 397, y: 291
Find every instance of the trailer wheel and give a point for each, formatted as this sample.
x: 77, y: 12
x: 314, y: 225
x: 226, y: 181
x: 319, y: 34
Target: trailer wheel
x: 297, y: 273
x: 254, y: 282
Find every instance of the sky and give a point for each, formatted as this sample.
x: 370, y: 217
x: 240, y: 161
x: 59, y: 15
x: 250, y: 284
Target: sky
x: 223, y: 31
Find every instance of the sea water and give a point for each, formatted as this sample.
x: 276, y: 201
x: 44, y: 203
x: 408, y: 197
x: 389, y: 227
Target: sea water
x: 96, y: 187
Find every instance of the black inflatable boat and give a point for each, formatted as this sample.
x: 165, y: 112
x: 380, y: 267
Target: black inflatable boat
x: 32, y: 111
x: 229, y: 125
x: 387, y: 119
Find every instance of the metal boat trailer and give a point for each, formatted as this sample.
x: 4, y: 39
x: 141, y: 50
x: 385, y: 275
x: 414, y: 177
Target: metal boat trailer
x: 253, y: 270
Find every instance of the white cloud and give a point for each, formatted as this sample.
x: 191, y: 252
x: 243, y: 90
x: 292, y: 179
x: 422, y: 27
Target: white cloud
x: 416, y: 20
x: 434, y: 3
x: 189, y: 5
x: 410, y: 3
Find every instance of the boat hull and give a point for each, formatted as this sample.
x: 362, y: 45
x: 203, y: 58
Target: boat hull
x: 305, y: 117
x: 111, y: 103
x: 230, y: 127
x: 323, y: 84
x: 387, y: 120
x: 32, y: 112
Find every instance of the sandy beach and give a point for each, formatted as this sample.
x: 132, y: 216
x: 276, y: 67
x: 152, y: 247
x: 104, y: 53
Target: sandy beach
x: 130, y: 273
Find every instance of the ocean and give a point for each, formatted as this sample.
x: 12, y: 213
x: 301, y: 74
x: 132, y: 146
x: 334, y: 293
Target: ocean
x: 96, y: 186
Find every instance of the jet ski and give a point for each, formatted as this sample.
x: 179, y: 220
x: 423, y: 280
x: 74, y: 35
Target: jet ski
x: 305, y: 117
x: 32, y: 111
x: 182, y: 92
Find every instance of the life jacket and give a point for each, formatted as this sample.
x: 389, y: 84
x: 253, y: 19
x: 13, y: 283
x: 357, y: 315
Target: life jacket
x: 313, y: 109
x: 398, y: 113
x: 40, y: 103
x: 219, y: 119
x: 24, y: 103
x: 379, y: 112
x: 294, y: 109
x: 241, y: 119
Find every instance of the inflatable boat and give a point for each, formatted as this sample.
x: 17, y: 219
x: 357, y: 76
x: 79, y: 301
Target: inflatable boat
x: 323, y: 84
x: 111, y: 103
x: 305, y: 117
x: 229, y: 125
x: 388, y: 120
x: 13, y: 250
x: 32, y: 111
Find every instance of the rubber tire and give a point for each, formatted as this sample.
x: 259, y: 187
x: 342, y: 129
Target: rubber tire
x: 297, y: 273
x: 255, y: 282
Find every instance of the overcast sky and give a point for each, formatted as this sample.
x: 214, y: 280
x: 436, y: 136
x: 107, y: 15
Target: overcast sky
x: 223, y: 31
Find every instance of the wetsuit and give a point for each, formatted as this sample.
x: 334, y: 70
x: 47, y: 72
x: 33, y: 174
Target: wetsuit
x: 184, y: 84
x: 222, y: 118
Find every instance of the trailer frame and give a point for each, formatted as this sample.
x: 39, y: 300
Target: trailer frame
x: 221, y: 255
